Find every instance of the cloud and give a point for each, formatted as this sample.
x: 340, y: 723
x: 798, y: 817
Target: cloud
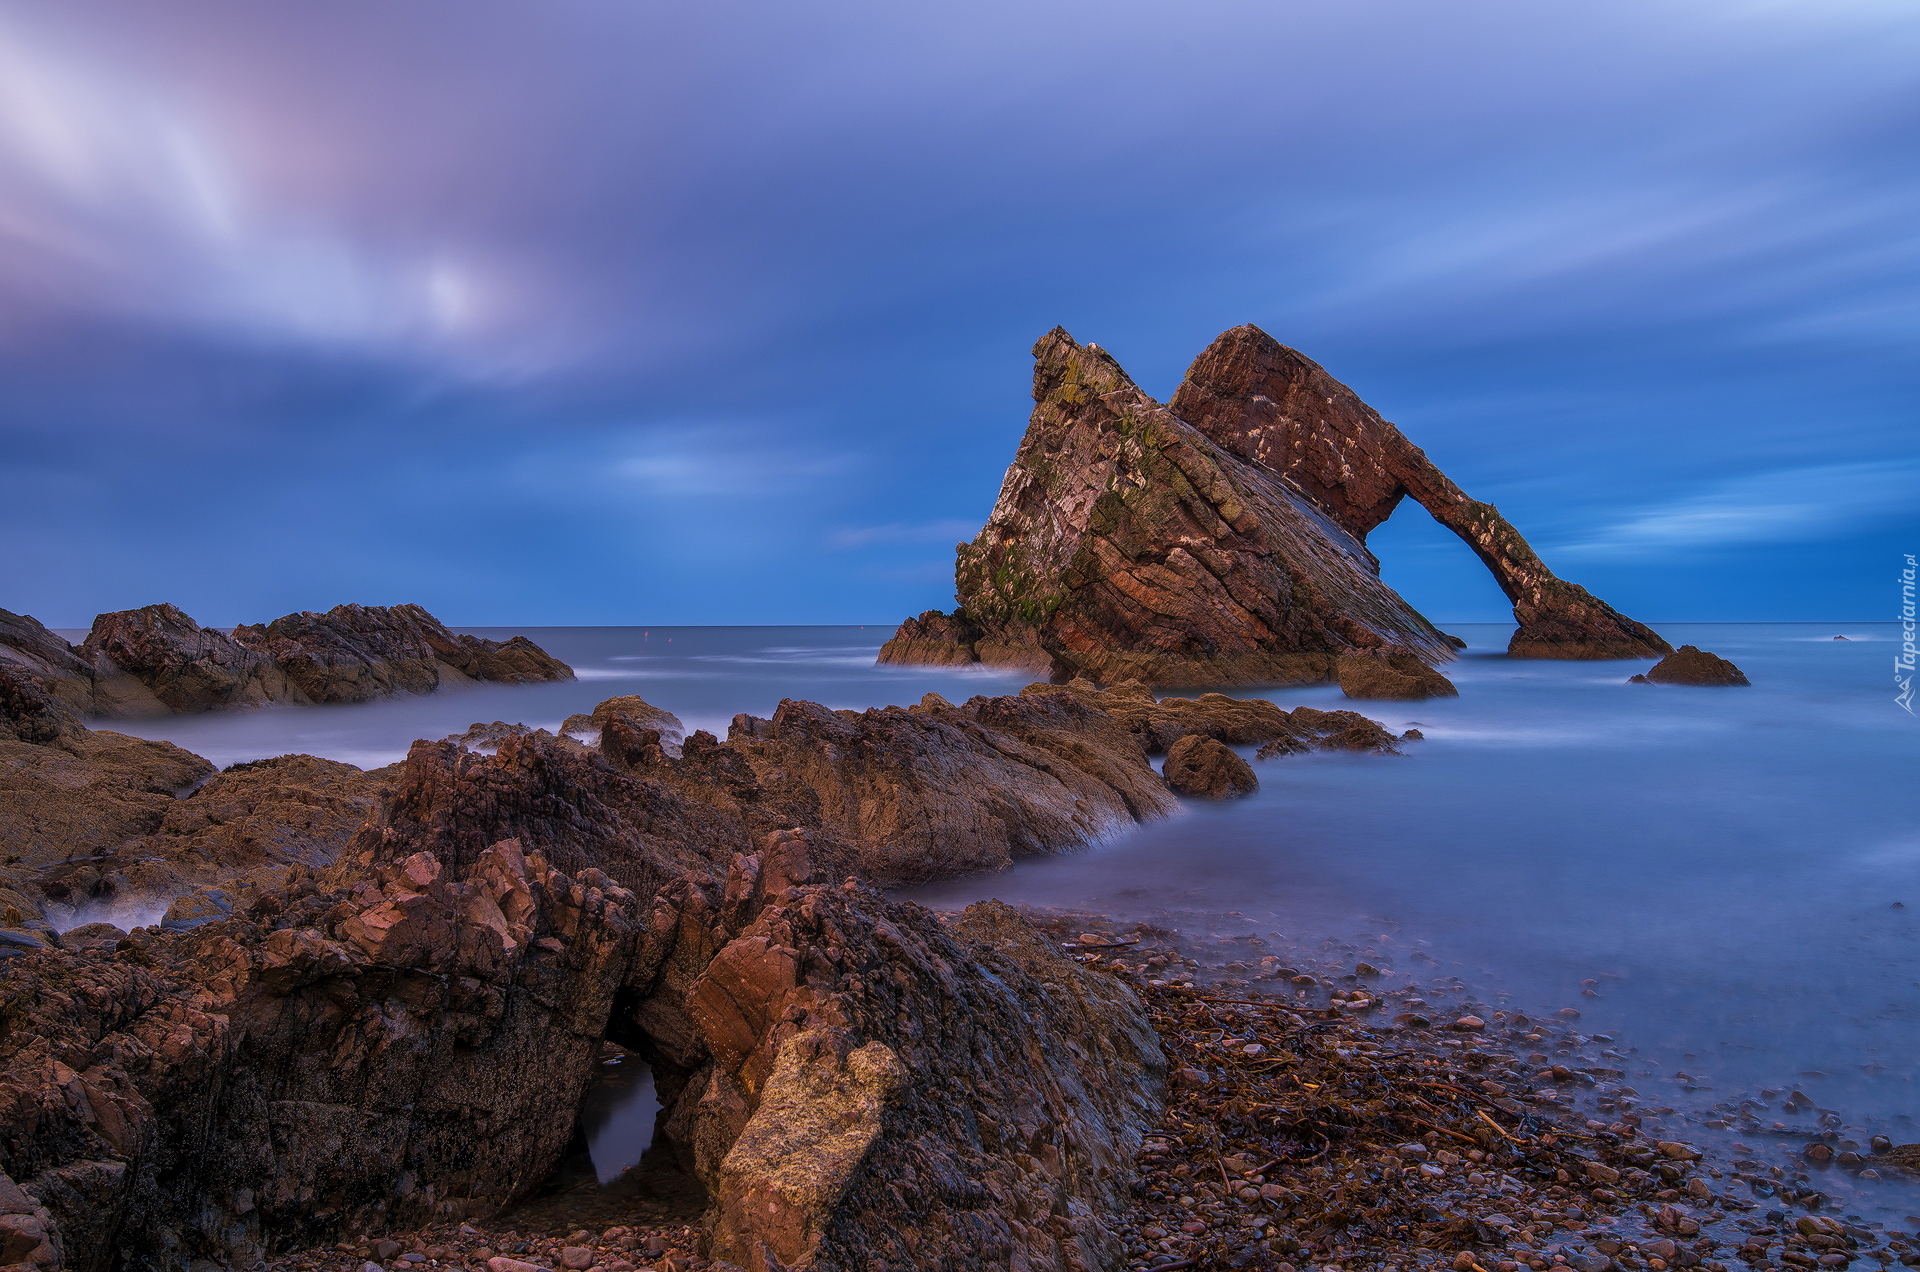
x: 1794, y: 505
x: 952, y: 531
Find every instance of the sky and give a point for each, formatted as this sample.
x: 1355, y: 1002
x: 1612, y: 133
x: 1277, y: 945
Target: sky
x: 585, y: 312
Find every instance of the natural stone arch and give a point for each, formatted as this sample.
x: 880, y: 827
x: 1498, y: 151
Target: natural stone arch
x: 1280, y: 409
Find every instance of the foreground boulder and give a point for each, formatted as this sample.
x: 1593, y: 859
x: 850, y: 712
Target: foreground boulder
x: 1127, y: 545
x: 157, y: 660
x: 1272, y: 405
x: 857, y: 1084
x: 1691, y: 665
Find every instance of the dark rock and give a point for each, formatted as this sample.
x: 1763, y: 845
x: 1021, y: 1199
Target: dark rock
x: 633, y: 712
x: 1126, y: 545
x: 1391, y: 673
x: 853, y: 1080
x: 156, y: 660
x: 1202, y: 767
x: 353, y: 653
x: 1159, y: 724
x: 30, y: 712
x: 1276, y: 407
x: 1689, y: 665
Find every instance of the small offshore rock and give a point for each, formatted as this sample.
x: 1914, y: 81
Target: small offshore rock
x: 1202, y: 767
x: 1691, y: 665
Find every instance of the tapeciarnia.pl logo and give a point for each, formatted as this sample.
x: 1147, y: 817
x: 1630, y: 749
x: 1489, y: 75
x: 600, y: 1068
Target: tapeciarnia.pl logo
x: 1903, y: 661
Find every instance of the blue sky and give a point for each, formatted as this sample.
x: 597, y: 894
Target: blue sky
x: 597, y: 312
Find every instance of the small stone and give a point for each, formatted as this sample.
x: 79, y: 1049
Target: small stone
x: 1819, y: 1153
x: 1469, y: 1023
x: 371, y: 1267
x: 577, y: 1257
x: 500, y: 1263
x: 1678, y: 1152
x: 384, y: 1250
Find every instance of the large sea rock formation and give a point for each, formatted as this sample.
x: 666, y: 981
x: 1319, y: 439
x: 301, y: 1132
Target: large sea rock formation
x: 156, y: 660
x: 1128, y: 545
x: 1221, y: 539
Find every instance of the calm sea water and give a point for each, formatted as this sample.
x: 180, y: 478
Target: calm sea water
x: 1737, y: 869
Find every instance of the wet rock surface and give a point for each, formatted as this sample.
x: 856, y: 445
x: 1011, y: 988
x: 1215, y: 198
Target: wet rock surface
x: 1274, y: 406
x: 1127, y: 545
x: 280, y: 1066
x: 156, y: 660
x: 1323, y: 1115
x: 1391, y: 674
x: 1206, y: 769
x: 1689, y: 665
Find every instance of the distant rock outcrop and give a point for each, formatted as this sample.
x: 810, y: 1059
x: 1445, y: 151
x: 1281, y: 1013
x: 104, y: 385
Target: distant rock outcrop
x: 1691, y: 665
x: 156, y: 660
x: 1220, y: 540
x: 1127, y: 545
x: 1273, y: 405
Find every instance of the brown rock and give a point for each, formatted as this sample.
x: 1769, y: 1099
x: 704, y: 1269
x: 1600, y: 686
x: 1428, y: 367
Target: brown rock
x: 1689, y: 665
x: 354, y: 653
x: 1391, y: 673
x: 158, y: 659
x: 1126, y: 545
x: 635, y: 713
x: 1202, y: 767
x: 1159, y: 724
x: 1272, y: 405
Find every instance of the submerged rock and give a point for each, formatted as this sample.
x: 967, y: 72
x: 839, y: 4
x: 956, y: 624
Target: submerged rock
x: 1202, y: 767
x: 1689, y: 665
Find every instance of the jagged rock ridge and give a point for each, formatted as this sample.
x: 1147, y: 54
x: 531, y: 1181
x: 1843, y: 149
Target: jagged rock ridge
x: 1127, y: 545
x: 156, y: 660
x: 1220, y: 540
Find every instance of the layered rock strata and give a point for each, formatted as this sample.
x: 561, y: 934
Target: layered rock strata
x: 157, y: 660
x: 1220, y: 539
x: 1275, y: 407
x: 1128, y: 545
x: 858, y: 1085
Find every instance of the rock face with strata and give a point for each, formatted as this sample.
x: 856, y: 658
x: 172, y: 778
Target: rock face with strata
x: 859, y: 1085
x: 1128, y: 545
x: 1220, y: 539
x: 1275, y: 407
x: 156, y: 660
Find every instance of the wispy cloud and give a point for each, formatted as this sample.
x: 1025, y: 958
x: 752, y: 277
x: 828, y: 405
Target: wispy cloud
x: 952, y: 531
x: 1794, y: 505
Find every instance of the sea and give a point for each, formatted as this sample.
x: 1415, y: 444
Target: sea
x: 1725, y: 882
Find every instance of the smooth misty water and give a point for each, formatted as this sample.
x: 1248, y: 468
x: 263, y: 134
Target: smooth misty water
x: 1724, y: 862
